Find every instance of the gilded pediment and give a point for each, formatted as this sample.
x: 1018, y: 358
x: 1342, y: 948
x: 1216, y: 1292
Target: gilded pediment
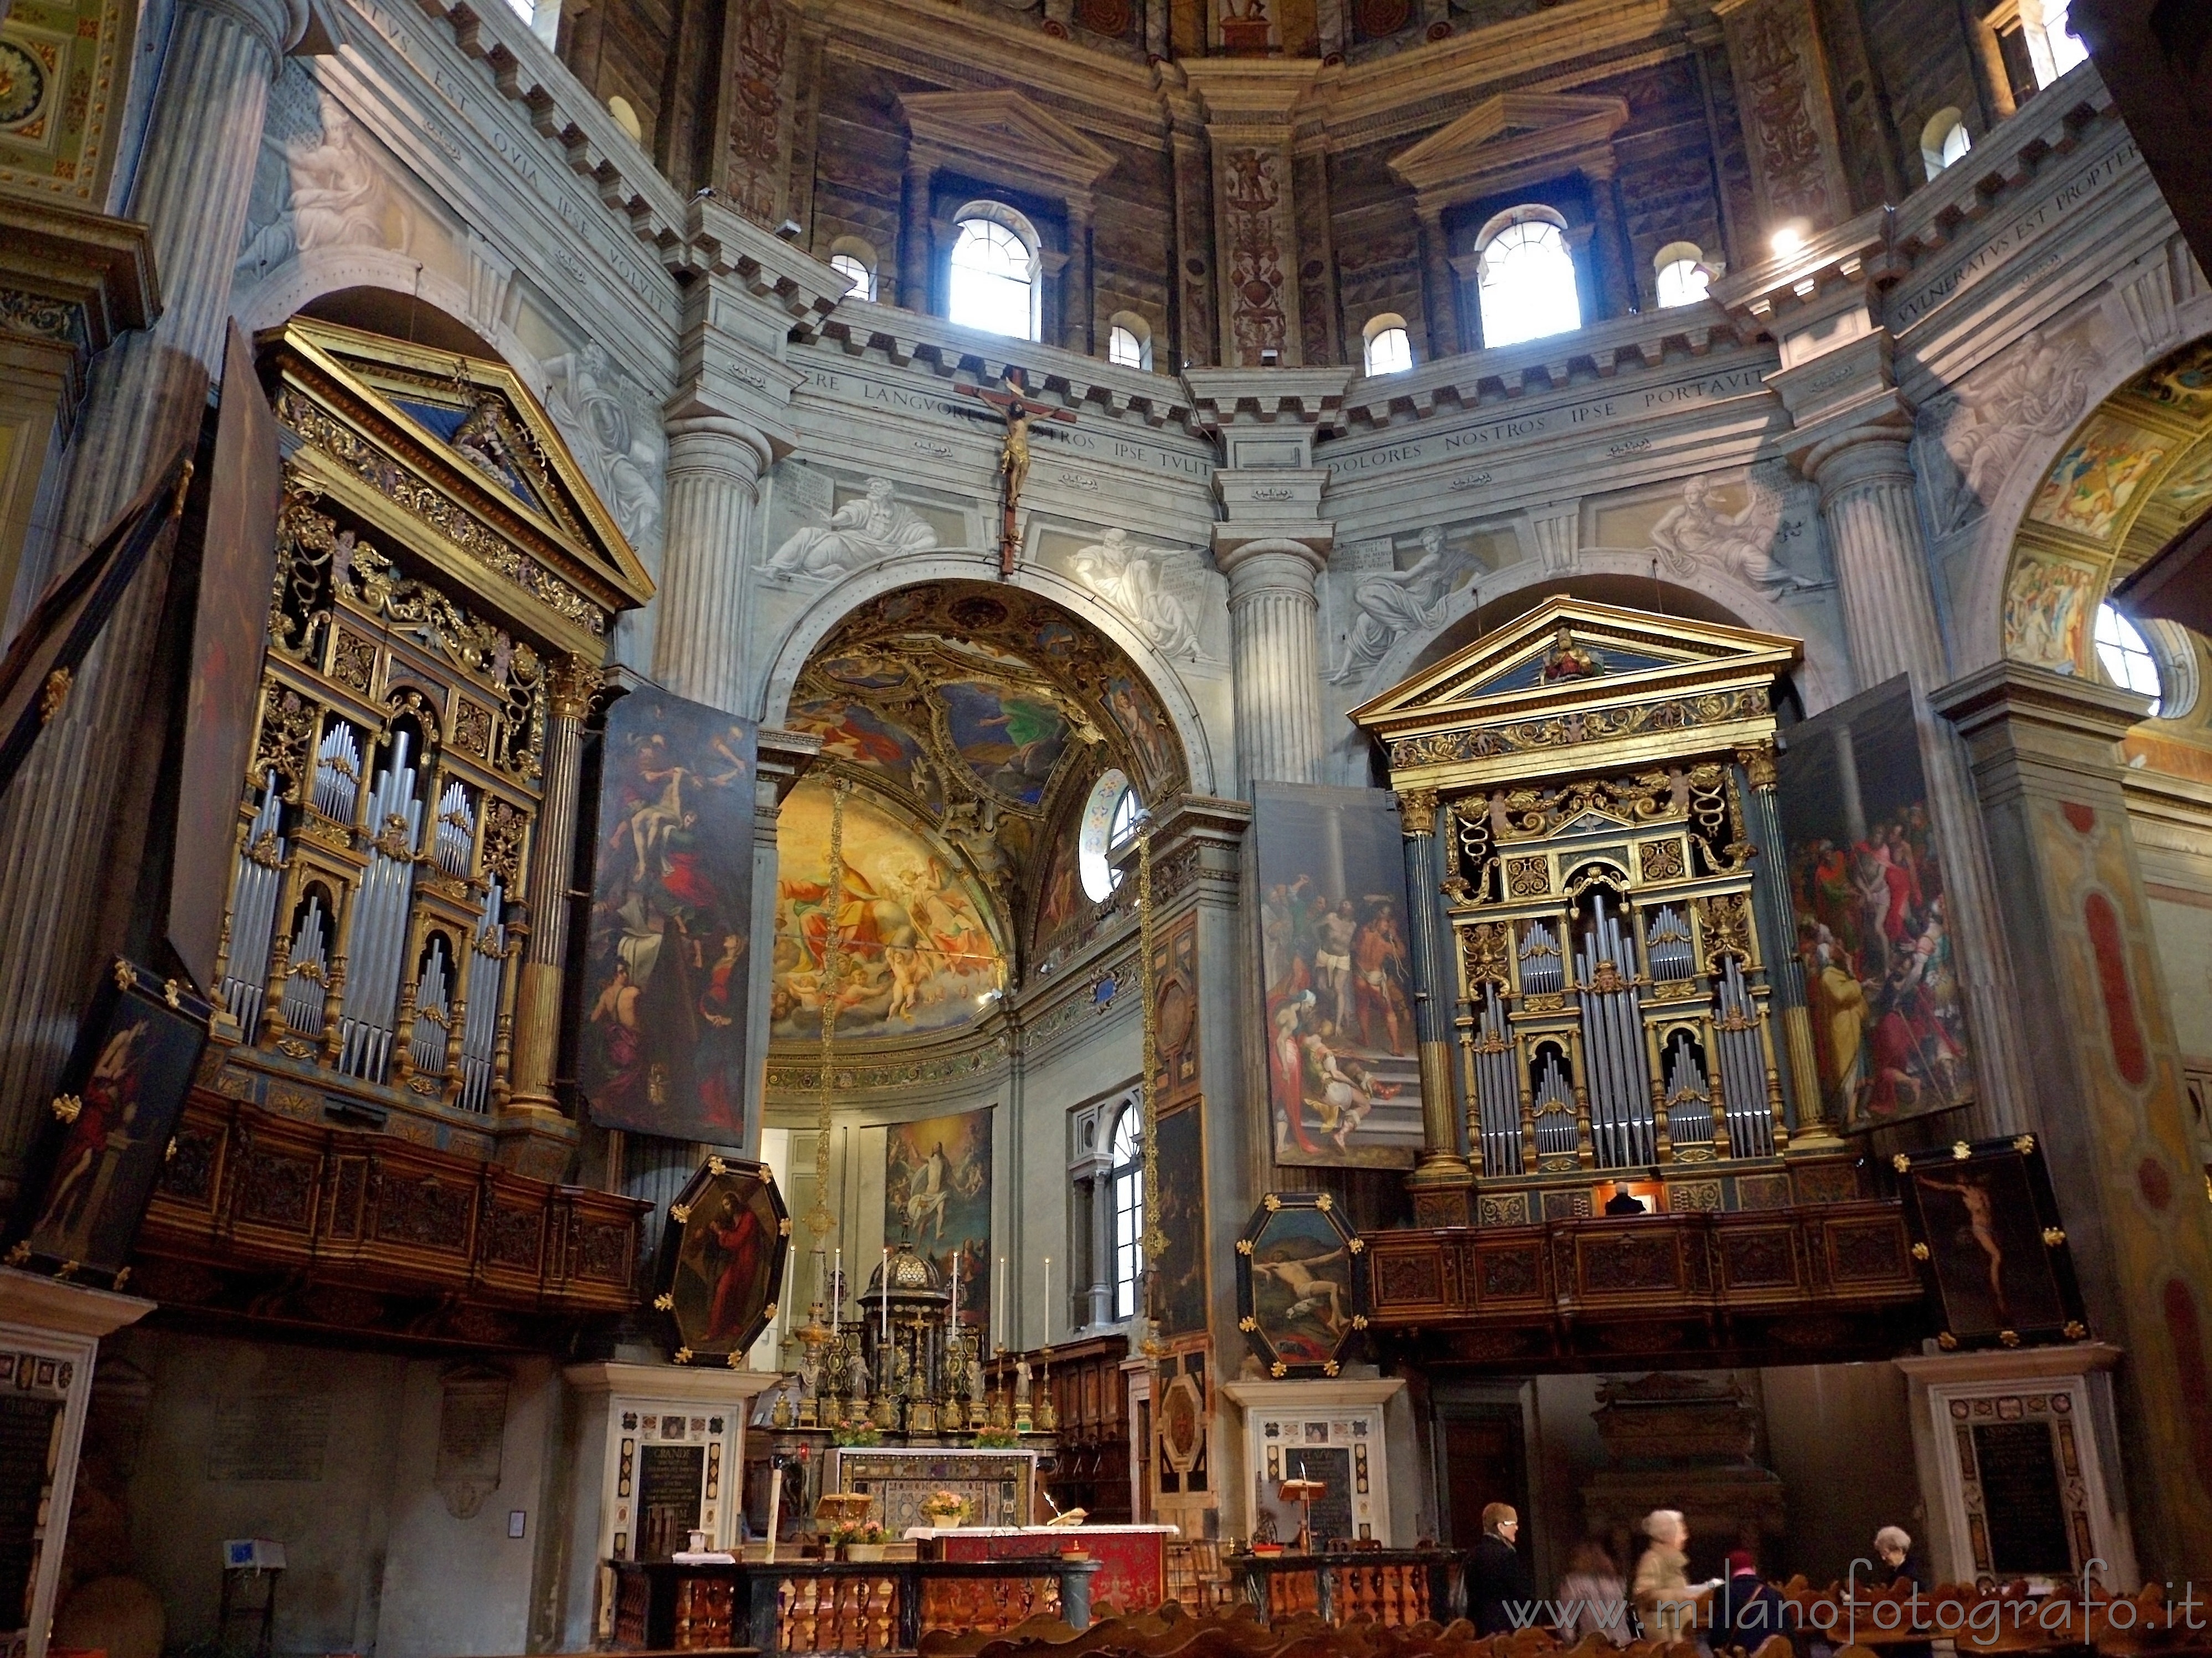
x: 1574, y: 676
x: 459, y: 446
x: 1516, y: 137
x: 1004, y: 132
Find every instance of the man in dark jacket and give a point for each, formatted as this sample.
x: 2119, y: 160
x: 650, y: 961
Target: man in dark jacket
x: 1747, y: 1610
x: 1497, y: 1576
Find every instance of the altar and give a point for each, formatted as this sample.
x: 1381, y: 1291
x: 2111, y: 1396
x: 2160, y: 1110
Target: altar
x: 1132, y: 1559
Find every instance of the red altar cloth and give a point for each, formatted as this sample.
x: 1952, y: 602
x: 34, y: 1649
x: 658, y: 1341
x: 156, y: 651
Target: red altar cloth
x: 1133, y: 1559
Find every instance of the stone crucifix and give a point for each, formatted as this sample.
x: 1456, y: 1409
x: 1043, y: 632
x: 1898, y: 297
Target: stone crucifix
x: 1017, y: 409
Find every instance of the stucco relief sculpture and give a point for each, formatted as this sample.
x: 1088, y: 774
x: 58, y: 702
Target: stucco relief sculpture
x: 1129, y: 578
x: 1969, y: 439
x: 588, y: 397
x: 1391, y: 603
x: 1698, y: 534
x: 863, y: 532
x: 330, y: 194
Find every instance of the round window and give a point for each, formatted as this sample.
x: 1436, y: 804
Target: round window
x: 1106, y: 819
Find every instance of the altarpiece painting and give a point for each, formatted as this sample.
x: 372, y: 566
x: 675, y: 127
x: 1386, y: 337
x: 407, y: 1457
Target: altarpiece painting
x: 936, y: 1196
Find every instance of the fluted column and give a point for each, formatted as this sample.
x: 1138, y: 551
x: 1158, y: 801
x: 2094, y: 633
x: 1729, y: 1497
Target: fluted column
x: 1867, y: 508
x: 1442, y: 1180
x: 61, y: 846
x: 538, y: 998
x: 1276, y: 644
x: 713, y: 484
x: 1865, y: 479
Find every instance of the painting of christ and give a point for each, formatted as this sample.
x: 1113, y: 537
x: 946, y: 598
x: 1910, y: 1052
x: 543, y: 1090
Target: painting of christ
x: 1985, y: 1227
x: 1336, y: 970
x: 101, y: 1146
x: 937, y: 1197
x: 723, y: 1262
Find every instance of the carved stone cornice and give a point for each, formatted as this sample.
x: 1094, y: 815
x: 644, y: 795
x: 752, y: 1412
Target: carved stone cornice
x: 70, y: 280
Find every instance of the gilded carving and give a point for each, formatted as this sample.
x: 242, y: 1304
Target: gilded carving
x: 1417, y: 811
x: 1578, y: 726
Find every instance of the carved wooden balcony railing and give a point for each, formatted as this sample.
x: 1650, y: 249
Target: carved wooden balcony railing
x: 280, y: 1220
x: 1832, y: 1279
x: 1394, y: 1588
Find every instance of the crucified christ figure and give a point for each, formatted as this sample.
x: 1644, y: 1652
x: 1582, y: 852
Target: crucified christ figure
x: 1981, y: 1220
x: 1017, y: 409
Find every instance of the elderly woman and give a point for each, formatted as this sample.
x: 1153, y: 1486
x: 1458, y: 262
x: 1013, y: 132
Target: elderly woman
x: 1664, y: 1600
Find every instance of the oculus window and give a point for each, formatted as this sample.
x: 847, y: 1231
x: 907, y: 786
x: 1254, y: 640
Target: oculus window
x: 994, y: 272
x: 1526, y: 280
x: 1109, y: 816
x: 2126, y: 657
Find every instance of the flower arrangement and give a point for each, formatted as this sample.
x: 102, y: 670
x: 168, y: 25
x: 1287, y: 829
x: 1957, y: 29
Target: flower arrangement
x: 944, y: 1508
x: 996, y: 1439
x: 860, y: 1531
x: 861, y: 1433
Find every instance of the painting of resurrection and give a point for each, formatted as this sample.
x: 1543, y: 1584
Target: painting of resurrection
x: 1343, y: 1067
x: 664, y: 1041
x: 936, y: 1196
x: 1866, y: 879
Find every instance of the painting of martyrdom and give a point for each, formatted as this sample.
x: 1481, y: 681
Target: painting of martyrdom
x: 2047, y: 612
x: 1343, y: 1066
x: 1992, y: 1250
x: 102, y: 1146
x: 663, y: 1040
x: 914, y: 948
x: 1179, y: 1286
x: 937, y: 1197
x: 1866, y: 885
x: 1298, y: 1291
x: 2090, y: 485
x: 721, y: 1262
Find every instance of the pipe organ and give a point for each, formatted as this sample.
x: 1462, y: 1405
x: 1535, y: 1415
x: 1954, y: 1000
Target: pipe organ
x: 1599, y: 783
x: 445, y: 585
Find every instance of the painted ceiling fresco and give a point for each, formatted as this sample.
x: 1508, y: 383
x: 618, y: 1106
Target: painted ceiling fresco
x: 2135, y: 472
x: 971, y: 720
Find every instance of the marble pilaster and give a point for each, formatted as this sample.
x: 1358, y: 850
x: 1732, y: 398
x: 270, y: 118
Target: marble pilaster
x: 62, y: 843
x: 2097, y: 1033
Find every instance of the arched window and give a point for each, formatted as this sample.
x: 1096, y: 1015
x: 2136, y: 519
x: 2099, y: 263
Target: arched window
x: 1112, y: 807
x: 2053, y: 47
x: 1527, y: 278
x: 626, y: 117
x: 1389, y: 346
x: 1682, y: 274
x: 994, y: 272
x: 1127, y: 1178
x: 2127, y: 657
x: 1129, y: 345
x: 852, y: 258
x: 1944, y: 140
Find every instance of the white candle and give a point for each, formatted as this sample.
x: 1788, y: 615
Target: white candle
x: 957, y: 1256
x: 836, y: 1297
x: 887, y: 1293
x: 998, y: 1304
x: 774, y: 1507
x: 1048, y: 1302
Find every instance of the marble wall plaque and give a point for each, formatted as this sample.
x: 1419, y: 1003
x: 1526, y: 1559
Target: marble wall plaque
x: 271, y: 1436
